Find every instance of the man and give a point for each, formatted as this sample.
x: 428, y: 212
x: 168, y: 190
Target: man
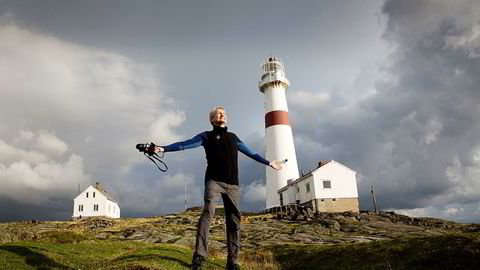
x: 221, y: 179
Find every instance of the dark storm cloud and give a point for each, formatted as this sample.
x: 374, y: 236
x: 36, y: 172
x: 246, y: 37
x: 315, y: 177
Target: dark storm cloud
x: 416, y: 137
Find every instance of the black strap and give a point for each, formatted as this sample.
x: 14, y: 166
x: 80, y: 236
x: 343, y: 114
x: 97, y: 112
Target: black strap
x: 154, y: 157
x: 148, y: 149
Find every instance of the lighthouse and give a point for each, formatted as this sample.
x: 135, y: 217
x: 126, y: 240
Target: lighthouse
x: 278, y: 132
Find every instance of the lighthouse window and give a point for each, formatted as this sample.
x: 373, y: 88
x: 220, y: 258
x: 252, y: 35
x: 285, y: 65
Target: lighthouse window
x: 308, y: 187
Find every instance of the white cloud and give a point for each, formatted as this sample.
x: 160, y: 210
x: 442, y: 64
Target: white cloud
x: 78, y: 92
x: 50, y: 143
x: 455, y: 212
x: 451, y: 211
x: 43, y: 141
x: 68, y: 109
x: 307, y: 100
x: 162, y: 129
x: 40, y: 183
x: 255, y: 192
x: 432, y: 130
x: 33, y: 171
x: 177, y: 181
x: 165, y: 193
x: 10, y: 154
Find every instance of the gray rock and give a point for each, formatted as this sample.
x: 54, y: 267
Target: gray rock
x: 165, y: 237
x: 331, y: 224
x: 138, y: 236
x: 102, y: 236
x: 187, y: 241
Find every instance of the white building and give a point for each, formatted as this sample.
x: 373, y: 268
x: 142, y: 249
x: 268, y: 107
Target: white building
x: 331, y: 187
x: 95, y: 202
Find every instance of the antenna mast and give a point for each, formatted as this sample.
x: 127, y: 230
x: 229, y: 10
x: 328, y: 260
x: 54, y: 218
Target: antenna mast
x: 372, y: 190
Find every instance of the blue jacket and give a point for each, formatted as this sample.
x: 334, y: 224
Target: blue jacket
x: 221, y: 148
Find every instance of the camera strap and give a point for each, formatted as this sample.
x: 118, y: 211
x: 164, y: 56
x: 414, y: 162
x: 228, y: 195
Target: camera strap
x: 156, y: 157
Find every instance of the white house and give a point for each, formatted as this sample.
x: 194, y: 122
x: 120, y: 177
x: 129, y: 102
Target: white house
x: 95, y: 202
x: 331, y: 187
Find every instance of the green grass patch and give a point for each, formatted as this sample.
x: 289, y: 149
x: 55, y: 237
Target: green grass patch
x: 442, y: 252
x: 98, y: 255
x: 62, y: 237
x: 454, y: 251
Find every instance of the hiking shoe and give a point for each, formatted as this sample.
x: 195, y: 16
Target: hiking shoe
x: 197, y: 262
x: 232, y: 266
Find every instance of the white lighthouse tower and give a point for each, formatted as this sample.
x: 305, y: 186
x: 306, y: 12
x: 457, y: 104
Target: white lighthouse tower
x: 278, y: 133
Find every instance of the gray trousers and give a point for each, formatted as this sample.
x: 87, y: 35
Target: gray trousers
x: 230, y: 196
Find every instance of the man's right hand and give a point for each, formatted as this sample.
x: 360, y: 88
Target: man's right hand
x: 159, y: 149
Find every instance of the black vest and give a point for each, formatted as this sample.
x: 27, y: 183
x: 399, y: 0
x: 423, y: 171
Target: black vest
x: 222, y: 156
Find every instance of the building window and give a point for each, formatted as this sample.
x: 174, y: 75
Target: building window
x: 109, y: 208
x: 95, y: 207
x: 298, y: 189
x: 87, y: 194
x: 281, y: 199
x: 93, y: 194
x: 327, y: 184
x: 308, y: 187
x: 80, y: 208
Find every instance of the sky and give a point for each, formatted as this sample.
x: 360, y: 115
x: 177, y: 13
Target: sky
x: 388, y: 88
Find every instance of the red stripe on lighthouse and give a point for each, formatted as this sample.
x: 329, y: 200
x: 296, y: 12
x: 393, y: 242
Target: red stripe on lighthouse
x: 276, y: 118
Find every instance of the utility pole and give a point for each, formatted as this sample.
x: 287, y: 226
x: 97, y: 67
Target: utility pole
x: 185, y: 182
x: 372, y: 190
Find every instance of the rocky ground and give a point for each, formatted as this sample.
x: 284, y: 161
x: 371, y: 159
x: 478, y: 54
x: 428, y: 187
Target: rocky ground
x: 257, y: 229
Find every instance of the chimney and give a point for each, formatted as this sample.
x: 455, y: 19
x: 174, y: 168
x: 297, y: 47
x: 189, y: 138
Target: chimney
x: 322, y: 162
x: 98, y: 186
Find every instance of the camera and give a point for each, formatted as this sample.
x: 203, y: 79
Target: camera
x: 147, y: 148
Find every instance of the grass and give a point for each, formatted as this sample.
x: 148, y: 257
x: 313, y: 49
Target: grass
x: 66, y: 251
x: 97, y: 255
x: 443, y: 252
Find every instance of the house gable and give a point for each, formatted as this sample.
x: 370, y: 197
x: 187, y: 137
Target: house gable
x: 332, y: 164
x: 90, y: 190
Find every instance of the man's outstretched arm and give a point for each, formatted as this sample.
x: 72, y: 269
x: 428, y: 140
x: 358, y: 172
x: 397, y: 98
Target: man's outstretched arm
x: 275, y: 164
x: 196, y: 141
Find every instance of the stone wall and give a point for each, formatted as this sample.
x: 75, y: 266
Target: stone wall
x: 334, y: 205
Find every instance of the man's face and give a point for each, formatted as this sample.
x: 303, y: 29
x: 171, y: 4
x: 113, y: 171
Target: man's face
x: 219, y: 118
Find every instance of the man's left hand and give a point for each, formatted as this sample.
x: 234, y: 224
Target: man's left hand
x: 276, y: 164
